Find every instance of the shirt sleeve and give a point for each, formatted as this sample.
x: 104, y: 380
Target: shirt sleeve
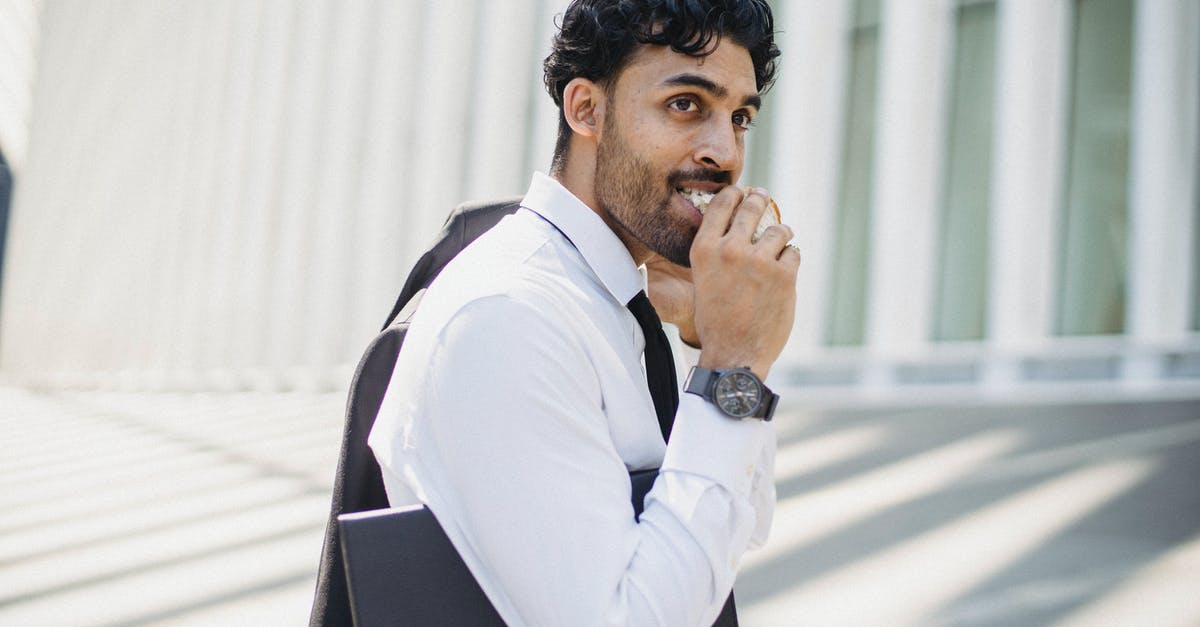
x: 762, y: 490
x: 532, y: 492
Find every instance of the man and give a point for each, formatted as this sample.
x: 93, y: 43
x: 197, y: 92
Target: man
x: 520, y: 403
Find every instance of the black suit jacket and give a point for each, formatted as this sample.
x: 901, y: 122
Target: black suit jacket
x: 358, y: 484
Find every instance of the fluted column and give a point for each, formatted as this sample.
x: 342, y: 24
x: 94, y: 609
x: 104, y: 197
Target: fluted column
x: 805, y: 151
x: 301, y: 156
x: 258, y: 191
x: 228, y: 248
x: 389, y: 161
x: 349, y: 60
x: 174, y: 54
x: 544, y: 127
x: 1163, y: 167
x: 908, y: 162
x: 495, y: 164
x: 445, y: 77
x: 1027, y: 173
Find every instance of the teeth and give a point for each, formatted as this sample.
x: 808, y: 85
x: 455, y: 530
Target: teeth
x: 698, y: 198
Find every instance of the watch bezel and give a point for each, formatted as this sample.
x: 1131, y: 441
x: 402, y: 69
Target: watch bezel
x: 723, y: 402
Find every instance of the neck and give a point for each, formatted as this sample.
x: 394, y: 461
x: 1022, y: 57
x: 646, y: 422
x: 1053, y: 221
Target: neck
x: 578, y: 175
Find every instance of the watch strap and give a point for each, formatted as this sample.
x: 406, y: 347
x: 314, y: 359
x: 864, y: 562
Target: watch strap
x: 766, y: 411
x: 699, y: 382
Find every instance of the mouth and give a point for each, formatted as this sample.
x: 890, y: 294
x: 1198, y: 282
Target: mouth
x: 698, y: 198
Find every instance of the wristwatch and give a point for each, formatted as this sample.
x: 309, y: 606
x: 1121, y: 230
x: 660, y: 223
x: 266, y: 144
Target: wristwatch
x: 737, y: 392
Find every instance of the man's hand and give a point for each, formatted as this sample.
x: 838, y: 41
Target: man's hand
x: 745, y: 293
x: 670, y: 289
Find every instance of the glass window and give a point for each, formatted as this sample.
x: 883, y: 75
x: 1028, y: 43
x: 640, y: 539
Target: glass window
x: 848, y: 285
x: 960, y: 303
x: 1095, y: 213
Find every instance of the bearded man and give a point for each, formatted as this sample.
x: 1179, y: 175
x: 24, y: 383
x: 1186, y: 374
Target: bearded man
x: 520, y: 401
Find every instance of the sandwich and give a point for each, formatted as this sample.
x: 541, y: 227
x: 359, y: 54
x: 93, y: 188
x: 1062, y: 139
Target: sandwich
x: 770, y: 216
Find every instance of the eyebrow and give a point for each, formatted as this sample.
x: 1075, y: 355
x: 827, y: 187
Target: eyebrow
x: 719, y: 91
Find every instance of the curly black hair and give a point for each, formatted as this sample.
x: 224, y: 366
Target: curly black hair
x: 597, y: 38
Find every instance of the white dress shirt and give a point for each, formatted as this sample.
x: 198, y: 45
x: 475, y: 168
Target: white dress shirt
x: 519, y: 405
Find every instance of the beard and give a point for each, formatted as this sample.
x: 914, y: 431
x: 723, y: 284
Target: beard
x: 637, y: 200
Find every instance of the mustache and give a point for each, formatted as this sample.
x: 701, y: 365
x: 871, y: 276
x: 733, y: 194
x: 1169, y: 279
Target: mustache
x: 722, y: 177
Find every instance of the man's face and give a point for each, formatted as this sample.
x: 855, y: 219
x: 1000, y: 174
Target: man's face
x: 673, y: 123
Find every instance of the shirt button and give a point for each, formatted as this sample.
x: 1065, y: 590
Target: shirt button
x: 750, y: 470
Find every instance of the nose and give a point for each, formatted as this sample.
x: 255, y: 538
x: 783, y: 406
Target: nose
x: 719, y: 146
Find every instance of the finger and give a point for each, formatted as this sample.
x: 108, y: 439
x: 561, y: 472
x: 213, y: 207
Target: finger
x: 720, y: 211
x: 791, y: 256
x: 749, y: 212
x: 773, y: 240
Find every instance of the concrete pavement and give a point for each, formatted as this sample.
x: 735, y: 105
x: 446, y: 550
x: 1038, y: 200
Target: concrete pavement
x: 208, y: 509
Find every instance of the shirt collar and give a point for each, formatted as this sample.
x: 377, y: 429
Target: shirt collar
x: 601, y: 249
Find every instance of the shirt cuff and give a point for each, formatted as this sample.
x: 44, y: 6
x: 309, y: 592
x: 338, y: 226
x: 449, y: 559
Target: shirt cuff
x: 708, y: 443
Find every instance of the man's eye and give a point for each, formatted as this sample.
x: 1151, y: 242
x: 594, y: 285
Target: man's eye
x: 685, y: 105
x: 743, y: 121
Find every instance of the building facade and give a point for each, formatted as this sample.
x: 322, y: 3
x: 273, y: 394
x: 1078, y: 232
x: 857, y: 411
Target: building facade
x: 228, y: 194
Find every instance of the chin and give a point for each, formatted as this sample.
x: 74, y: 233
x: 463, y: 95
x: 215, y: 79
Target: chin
x: 676, y: 249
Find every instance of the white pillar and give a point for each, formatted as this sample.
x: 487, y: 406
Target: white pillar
x: 439, y: 138
x: 174, y: 56
x: 348, y: 60
x: 300, y: 154
x: 1163, y: 154
x: 805, y: 151
x: 544, y: 127
x: 388, y: 162
x: 258, y: 184
x: 1034, y: 48
x: 495, y: 161
x: 227, y: 253
x: 198, y: 157
x: 913, y: 61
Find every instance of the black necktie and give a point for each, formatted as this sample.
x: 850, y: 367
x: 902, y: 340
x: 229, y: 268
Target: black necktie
x: 660, y: 366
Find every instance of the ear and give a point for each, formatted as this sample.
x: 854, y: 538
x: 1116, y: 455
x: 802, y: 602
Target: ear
x: 583, y: 106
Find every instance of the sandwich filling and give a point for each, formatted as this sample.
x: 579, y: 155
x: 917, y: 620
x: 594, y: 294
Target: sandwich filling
x: 701, y: 199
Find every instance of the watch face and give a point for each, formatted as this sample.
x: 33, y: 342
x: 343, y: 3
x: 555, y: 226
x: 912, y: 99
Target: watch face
x: 737, y: 394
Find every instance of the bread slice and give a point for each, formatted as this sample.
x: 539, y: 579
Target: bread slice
x: 769, y: 217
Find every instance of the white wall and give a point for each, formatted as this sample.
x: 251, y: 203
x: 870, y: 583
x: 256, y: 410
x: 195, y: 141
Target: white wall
x: 229, y: 193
